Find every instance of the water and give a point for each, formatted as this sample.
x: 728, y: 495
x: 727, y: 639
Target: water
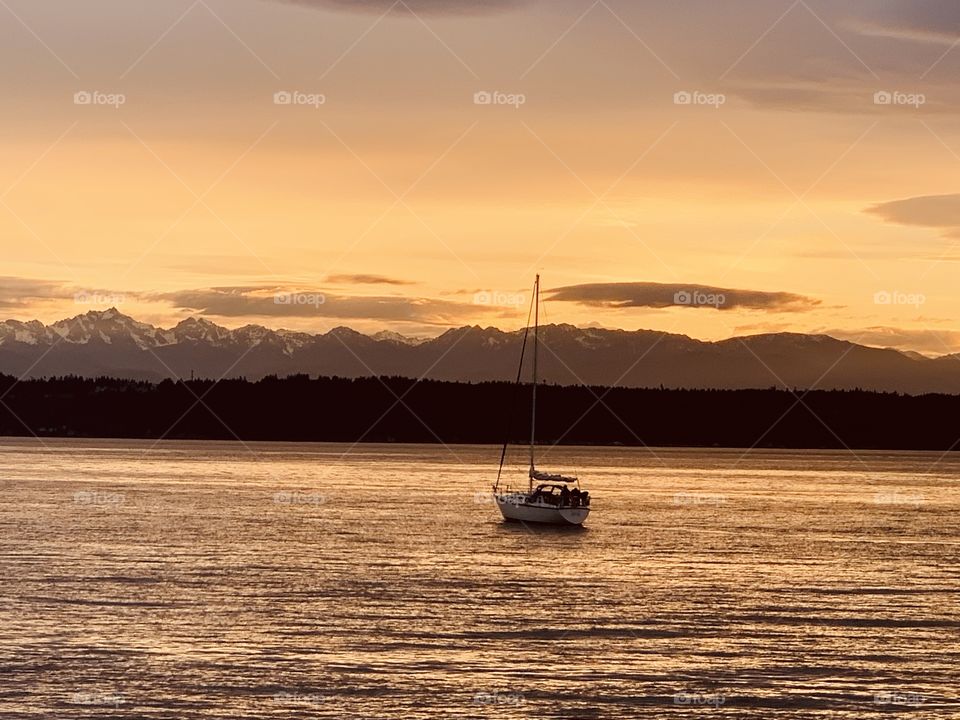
x: 214, y: 580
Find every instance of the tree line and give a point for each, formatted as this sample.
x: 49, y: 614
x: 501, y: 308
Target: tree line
x: 394, y: 409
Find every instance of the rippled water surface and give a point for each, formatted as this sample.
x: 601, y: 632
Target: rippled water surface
x: 213, y: 580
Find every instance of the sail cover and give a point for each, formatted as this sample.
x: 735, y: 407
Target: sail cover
x: 548, y: 477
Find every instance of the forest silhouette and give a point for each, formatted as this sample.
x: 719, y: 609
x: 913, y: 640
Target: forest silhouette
x: 299, y: 408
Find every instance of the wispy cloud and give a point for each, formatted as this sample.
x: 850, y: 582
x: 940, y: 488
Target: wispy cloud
x: 361, y: 279
x: 663, y: 295
x: 936, y: 21
x: 16, y: 292
x: 927, y: 341
x: 276, y: 301
x: 426, y: 7
x: 19, y: 293
x: 935, y: 211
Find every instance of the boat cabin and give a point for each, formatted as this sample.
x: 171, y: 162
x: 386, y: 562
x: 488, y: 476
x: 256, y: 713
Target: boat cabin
x: 557, y: 495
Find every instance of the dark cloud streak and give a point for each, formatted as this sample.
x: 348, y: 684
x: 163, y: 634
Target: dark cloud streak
x: 311, y: 303
x: 664, y: 295
x: 361, y: 279
x: 425, y: 7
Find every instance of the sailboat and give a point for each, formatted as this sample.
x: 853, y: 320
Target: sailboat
x: 555, y: 499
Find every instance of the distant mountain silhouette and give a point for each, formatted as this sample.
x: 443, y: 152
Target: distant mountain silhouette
x: 109, y: 343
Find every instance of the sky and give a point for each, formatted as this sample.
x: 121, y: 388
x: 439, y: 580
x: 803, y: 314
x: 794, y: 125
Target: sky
x: 705, y: 168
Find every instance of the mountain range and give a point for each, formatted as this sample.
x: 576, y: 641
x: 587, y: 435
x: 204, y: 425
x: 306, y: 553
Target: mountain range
x: 109, y: 343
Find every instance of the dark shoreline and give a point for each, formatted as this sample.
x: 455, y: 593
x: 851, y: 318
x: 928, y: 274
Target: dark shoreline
x: 300, y: 409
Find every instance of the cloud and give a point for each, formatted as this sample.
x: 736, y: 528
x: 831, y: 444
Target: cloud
x: 424, y: 7
x: 839, y: 95
x: 936, y: 211
x: 18, y: 292
x: 931, y: 342
x: 660, y: 295
x: 361, y: 279
x: 811, y: 96
x: 278, y: 301
x: 919, y: 20
x: 834, y: 60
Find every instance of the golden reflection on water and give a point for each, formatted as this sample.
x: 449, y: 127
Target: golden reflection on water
x: 208, y: 580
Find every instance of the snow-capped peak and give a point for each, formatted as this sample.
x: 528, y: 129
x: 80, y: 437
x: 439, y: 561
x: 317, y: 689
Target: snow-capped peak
x: 108, y: 326
x: 390, y: 336
x: 199, y: 330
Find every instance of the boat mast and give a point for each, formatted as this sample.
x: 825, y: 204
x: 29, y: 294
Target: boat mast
x: 536, y: 343
x: 516, y: 385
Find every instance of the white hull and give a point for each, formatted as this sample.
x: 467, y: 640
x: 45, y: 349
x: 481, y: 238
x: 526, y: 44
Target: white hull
x: 515, y: 507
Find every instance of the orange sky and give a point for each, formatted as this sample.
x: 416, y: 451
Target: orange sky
x: 407, y: 205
